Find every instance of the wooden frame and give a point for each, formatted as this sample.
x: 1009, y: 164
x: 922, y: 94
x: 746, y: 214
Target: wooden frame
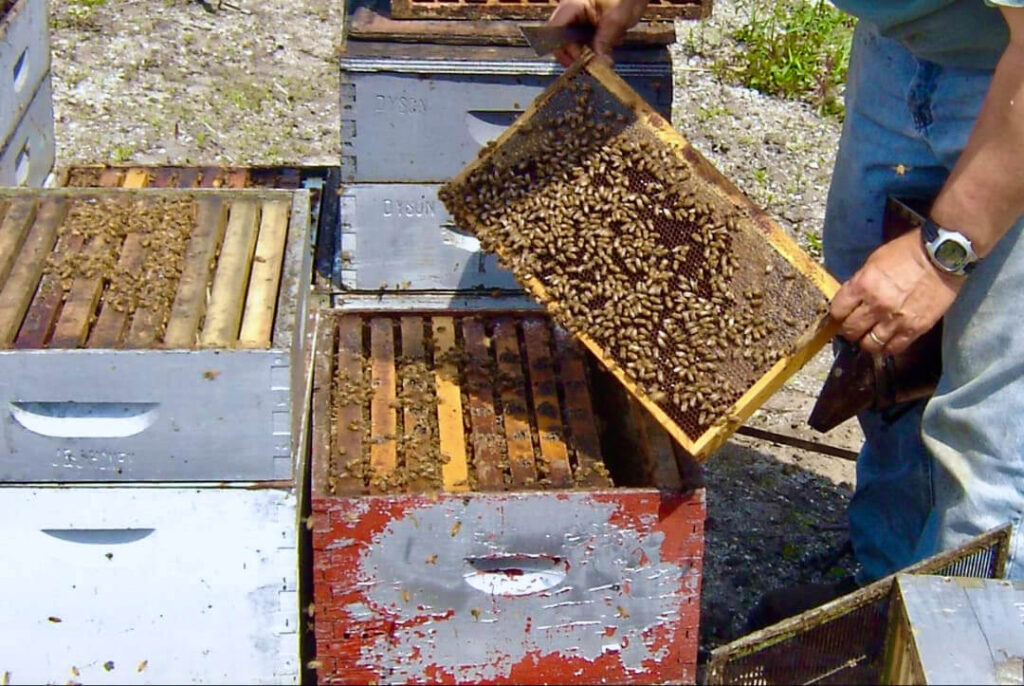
x: 367, y: 24
x: 805, y: 346
x: 509, y: 372
x: 238, y: 248
x: 530, y: 9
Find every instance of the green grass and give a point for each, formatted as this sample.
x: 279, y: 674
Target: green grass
x: 797, y: 49
x: 705, y: 114
x: 122, y: 153
x: 76, y: 15
x: 814, y: 245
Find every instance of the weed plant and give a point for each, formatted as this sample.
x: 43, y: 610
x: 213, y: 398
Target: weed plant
x: 795, y: 49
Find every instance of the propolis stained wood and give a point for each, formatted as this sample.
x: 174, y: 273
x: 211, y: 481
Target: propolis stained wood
x: 143, y: 330
x: 473, y: 477
x: 532, y: 9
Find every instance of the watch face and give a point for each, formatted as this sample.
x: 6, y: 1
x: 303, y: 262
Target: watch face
x: 951, y: 254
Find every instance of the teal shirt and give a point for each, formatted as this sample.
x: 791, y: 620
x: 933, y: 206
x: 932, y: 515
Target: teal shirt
x: 956, y: 33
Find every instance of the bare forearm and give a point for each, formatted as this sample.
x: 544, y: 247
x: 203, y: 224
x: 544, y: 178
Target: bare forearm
x: 984, y: 195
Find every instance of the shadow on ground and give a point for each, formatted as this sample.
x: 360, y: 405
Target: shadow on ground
x: 770, y: 524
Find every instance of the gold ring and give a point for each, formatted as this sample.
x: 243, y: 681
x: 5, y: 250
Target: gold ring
x: 879, y: 342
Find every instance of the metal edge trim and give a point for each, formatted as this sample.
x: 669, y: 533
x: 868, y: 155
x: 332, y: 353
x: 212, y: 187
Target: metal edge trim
x: 287, y: 335
x: 483, y: 67
x: 395, y: 302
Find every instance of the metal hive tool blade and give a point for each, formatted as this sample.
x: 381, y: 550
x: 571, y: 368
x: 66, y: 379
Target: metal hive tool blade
x: 545, y: 39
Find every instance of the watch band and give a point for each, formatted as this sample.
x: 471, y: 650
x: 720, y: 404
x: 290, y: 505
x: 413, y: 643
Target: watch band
x: 929, y: 231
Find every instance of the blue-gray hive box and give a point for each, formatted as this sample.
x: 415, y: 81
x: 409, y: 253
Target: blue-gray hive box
x: 152, y: 335
x: 945, y: 630
x: 416, y: 113
x: 24, y: 58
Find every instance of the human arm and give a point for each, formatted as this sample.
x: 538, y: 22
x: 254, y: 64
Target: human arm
x: 611, y: 17
x: 898, y: 294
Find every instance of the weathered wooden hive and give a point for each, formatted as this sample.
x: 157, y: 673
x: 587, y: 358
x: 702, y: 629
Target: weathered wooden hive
x: 154, y: 374
x: 531, y: 9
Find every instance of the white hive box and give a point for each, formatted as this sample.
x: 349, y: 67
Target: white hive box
x: 125, y: 585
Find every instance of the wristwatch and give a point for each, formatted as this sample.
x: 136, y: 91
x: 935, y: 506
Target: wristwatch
x: 950, y: 251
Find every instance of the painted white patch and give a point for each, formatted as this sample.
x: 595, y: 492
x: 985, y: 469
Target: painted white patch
x: 608, y: 581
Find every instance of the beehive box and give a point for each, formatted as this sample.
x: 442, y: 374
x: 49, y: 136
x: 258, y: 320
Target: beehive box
x: 24, y: 59
x: 487, y: 508
x: 532, y: 9
x: 191, y: 176
x: 693, y: 297
x: 152, y: 334
x: 149, y: 585
x: 398, y: 237
x: 27, y: 155
x: 399, y: 100
x: 320, y: 181
x: 844, y: 641
x: 961, y: 630
x: 372, y: 20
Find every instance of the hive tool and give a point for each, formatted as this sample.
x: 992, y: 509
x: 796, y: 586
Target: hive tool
x: 545, y: 39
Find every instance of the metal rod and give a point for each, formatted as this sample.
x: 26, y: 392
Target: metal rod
x: 803, y: 443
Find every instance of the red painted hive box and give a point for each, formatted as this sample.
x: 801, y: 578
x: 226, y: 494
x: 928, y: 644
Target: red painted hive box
x: 490, y: 508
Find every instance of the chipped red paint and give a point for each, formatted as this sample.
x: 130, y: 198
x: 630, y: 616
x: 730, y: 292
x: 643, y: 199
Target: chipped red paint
x: 344, y: 529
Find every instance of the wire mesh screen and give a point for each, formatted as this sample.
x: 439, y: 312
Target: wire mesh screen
x: 842, y: 642
x: 636, y: 247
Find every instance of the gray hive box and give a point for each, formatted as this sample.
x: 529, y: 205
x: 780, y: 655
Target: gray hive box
x: 416, y: 113
x: 204, y: 382
x: 24, y: 58
x: 27, y: 156
x: 956, y: 630
x: 399, y: 237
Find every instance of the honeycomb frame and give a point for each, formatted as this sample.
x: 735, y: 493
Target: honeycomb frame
x: 737, y: 225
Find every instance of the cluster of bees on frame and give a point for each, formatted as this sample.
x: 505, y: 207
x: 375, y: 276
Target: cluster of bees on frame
x: 417, y: 445
x: 628, y: 250
x: 420, y: 461
x: 101, y: 227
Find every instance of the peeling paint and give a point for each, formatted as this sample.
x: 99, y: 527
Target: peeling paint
x: 614, y: 579
x: 341, y: 543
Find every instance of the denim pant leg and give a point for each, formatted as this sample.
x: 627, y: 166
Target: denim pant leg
x: 882, y: 152
x: 917, y: 117
x: 974, y: 424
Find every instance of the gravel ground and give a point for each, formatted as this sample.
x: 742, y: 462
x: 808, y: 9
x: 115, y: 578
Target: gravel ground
x: 167, y: 81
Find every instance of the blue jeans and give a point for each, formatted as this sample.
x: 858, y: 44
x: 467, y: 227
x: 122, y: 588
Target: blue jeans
x: 930, y: 474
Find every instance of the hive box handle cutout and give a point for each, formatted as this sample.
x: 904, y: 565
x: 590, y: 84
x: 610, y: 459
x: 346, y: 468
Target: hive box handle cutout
x: 23, y: 165
x: 514, y: 575
x: 486, y: 125
x: 99, y: 536
x: 84, y: 420
x: 20, y: 73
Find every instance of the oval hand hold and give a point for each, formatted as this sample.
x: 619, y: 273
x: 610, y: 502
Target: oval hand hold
x: 513, y: 575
